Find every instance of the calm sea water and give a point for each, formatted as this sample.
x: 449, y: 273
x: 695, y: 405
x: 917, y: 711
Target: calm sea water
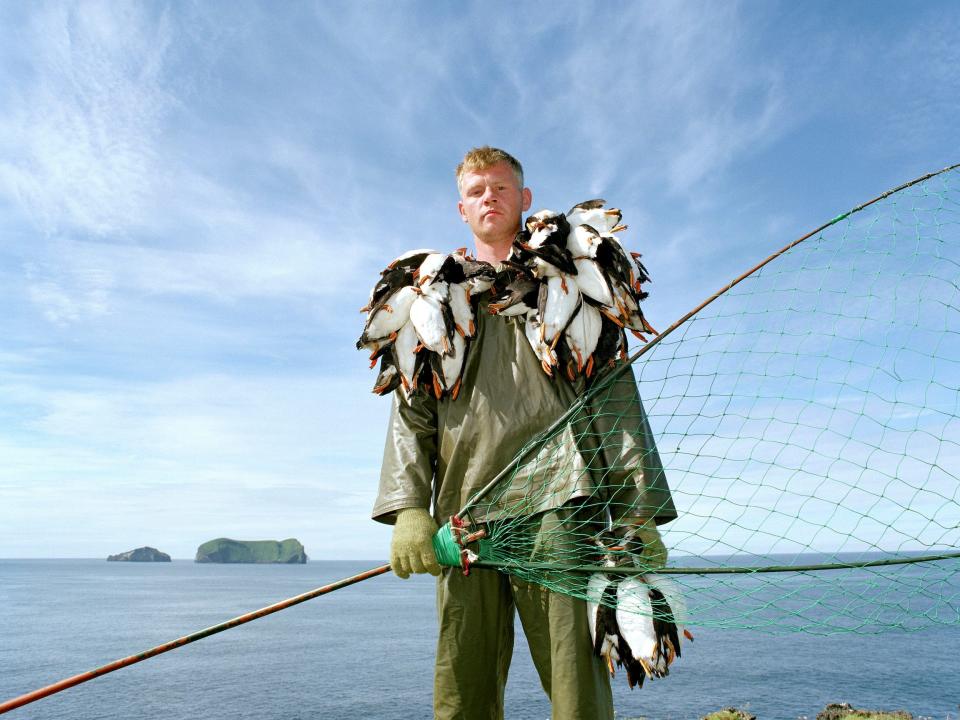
x: 366, y: 651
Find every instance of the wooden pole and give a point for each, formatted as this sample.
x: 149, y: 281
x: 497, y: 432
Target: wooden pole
x: 56, y: 687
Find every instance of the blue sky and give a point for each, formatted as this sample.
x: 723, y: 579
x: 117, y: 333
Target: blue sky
x: 195, y: 199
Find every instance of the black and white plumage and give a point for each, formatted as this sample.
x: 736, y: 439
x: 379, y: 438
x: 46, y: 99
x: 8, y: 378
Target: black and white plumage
x: 432, y: 318
x: 582, y: 336
x: 520, y: 297
x: 410, y: 260
x: 593, y: 213
x: 387, y: 317
x: 568, y: 277
x: 420, y: 319
x: 590, y: 293
x: 636, y: 622
x: 651, y: 615
x: 556, y: 309
x: 604, y: 628
x: 545, y: 237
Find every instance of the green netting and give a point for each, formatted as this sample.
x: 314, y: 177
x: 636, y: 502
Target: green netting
x: 807, y: 420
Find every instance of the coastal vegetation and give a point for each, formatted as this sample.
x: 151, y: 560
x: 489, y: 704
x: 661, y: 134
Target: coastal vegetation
x: 141, y: 554
x: 226, y: 550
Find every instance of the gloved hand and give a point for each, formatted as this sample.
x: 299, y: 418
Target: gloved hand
x: 642, y: 538
x: 411, y: 550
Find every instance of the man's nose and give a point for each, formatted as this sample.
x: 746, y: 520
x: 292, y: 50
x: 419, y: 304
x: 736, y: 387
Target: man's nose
x: 489, y: 196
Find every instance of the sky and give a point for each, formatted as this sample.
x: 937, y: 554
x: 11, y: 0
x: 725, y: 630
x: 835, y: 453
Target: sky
x: 195, y: 199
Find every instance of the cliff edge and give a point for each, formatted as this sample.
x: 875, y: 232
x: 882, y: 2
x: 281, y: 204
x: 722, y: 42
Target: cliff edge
x: 225, y: 550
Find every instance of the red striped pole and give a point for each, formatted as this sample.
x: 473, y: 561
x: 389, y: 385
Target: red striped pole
x: 56, y: 687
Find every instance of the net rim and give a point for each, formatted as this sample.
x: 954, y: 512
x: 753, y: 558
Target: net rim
x: 732, y: 570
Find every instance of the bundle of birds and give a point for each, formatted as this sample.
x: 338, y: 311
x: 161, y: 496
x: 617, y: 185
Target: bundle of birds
x: 577, y: 287
x: 567, y: 276
x: 420, y: 318
x: 635, y: 622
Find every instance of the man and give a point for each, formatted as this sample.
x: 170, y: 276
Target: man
x: 439, y: 453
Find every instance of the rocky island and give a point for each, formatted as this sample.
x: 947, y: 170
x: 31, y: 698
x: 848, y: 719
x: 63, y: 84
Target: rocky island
x: 143, y: 554
x: 225, y: 550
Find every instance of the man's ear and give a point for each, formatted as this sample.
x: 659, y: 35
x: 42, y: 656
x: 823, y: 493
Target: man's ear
x: 527, y: 196
x: 463, y: 215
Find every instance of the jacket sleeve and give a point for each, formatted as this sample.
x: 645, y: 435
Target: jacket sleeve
x: 409, y: 456
x: 631, y: 468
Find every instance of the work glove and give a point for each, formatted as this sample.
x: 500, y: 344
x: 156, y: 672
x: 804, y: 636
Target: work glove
x: 411, y: 550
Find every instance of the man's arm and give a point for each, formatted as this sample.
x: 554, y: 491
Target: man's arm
x: 628, y: 459
x: 406, y: 483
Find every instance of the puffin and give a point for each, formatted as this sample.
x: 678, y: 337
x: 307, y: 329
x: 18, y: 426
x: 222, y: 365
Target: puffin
x: 593, y: 213
x: 547, y: 244
x: 432, y: 318
x: 389, y: 378
x: 635, y: 622
x: 592, y: 282
x: 583, y: 241
x: 479, y: 276
x: 546, y: 354
x: 460, y: 306
x: 520, y: 297
x: 433, y: 267
x: 411, y: 260
x: 568, y: 277
x: 387, y: 316
x: 448, y: 369
x: 604, y: 629
x: 390, y: 280
x: 651, y: 624
x: 556, y: 308
x: 611, y: 344
x: 404, y: 351
x: 582, y: 335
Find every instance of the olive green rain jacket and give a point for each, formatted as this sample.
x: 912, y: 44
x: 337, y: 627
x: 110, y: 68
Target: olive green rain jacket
x: 440, y: 453
x: 443, y: 452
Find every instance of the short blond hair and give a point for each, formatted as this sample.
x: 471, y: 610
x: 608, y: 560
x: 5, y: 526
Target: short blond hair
x: 481, y: 158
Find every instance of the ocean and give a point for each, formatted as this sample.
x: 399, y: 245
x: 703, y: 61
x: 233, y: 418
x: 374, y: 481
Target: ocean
x: 366, y: 652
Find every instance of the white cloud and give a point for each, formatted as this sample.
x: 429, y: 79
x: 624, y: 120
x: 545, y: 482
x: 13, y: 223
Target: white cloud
x: 80, y: 137
x: 179, y: 462
x: 263, y: 425
x: 671, y: 88
x: 84, y: 292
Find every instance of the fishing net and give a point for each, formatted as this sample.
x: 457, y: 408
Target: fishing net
x: 806, y: 418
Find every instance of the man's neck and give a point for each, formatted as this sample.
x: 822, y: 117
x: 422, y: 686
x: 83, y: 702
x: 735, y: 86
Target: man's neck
x: 493, y: 252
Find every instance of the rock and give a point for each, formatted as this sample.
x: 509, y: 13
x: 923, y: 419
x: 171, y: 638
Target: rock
x: 143, y: 554
x: 845, y: 711
x: 225, y: 550
x: 729, y: 713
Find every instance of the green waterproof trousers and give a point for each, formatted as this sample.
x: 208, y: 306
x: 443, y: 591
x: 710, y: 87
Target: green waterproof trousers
x: 475, y: 645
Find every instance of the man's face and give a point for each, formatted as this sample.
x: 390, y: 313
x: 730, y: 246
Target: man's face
x: 492, y: 201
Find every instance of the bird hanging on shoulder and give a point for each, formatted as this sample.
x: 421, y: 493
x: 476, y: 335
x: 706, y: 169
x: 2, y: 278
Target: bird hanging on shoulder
x: 420, y: 319
x: 520, y: 297
x: 567, y: 278
x: 593, y: 213
x: 593, y: 288
x: 546, y: 241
